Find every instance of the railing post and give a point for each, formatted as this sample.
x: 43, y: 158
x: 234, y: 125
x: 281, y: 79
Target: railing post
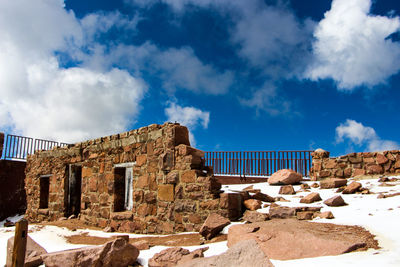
x: 1, y: 144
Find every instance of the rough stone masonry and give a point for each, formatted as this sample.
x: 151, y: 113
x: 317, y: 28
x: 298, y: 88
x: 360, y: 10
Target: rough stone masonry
x: 147, y: 180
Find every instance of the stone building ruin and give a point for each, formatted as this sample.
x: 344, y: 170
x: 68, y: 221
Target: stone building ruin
x: 148, y: 180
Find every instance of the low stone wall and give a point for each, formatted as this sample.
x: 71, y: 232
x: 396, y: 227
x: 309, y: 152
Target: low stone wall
x: 12, y: 192
x: 172, y: 190
x: 354, y: 164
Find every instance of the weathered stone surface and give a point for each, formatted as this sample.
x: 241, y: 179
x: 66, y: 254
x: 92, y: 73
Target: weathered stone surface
x: 295, y: 239
x: 352, y: 188
x: 374, y: 169
x: 325, y: 215
x: 243, y: 254
x: 254, y: 216
x: 171, y: 257
x: 310, y: 198
x: 304, y: 215
x: 252, y: 204
x: 166, y: 192
x: 281, y: 212
x: 287, y: 190
x: 381, y: 159
x: 114, y: 253
x: 285, y: 176
x: 332, y: 183
x: 141, y: 245
x: 213, y: 225
x: 335, y: 201
x: 262, y: 197
x: 32, y: 255
x: 358, y: 172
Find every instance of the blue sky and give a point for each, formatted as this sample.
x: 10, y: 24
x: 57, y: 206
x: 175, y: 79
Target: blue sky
x: 242, y: 75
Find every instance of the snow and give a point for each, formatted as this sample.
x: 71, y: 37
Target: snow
x: 379, y: 216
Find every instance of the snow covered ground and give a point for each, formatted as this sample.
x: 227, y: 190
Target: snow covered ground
x: 380, y: 216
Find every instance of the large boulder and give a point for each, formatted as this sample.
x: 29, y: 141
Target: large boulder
x: 115, y: 253
x: 285, y: 176
x: 213, y: 225
x: 293, y: 239
x: 176, y: 255
x: 243, y: 254
x: 32, y: 255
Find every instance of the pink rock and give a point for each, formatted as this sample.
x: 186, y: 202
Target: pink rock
x: 287, y: 190
x: 213, y: 225
x: 32, y: 255
x: 332, y: 183
x: 252, y: 204
x: 310, y: 198
x: 116, y: 253
x: 285, y: 176
x: 352, y: 188
x: 335, y: 201
x: 254, y: 216
x: 176, y: 255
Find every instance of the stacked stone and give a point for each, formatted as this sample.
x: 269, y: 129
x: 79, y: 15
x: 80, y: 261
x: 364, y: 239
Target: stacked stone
x: 354, y: 164
x: 173, y: 191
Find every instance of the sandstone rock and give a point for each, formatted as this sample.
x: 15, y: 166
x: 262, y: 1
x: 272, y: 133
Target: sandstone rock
x: 287, y: 190
x: 315, y: 185
x: 293, y: 239
x: 332, y: 183
x: 32, y: 255
x: 243, y: 254
x: 141, y: 245
x: 252, y: 204
x: 213, y: 225
x: 116, y: 253
x: 310, y: 198
x: 305, y: 186
x: 108, y: 229
x: 304, y: 215
x: 262, y: 197
x: 172, y: 256
x: 281, y: 212
x: 335, y: 201
x: 381, y: 159
x: 352, y: 188
x: 285, y: 176
x: 325, y: 215
x: 254, y: 216
x: 374, y: 169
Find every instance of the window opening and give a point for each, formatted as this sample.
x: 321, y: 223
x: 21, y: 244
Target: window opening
x: 74, y: 190
x: 44, y: 191
x: 123, y: 187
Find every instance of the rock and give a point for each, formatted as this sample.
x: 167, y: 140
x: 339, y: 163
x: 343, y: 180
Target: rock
x: 281, y: 199
x: 310, y: 198
x: 335, y: 201
x: 262, y: 197
x: 352, y: 188
x: 325, y: 215
x: 254, y: 216
x: 315, y: 185
x: 213, y: 225
x: 287, y: 190
x: 332, y: 183
x: 305, y: 186
x: 281, y: 212
x: 305, y: 215
x: 116, y: 253
x: 172, y: 256
x: 285, y: 176
x: 243, y: 254
x: 252, y: 204
x: 293, y: 239
x: 141, y: 245
x: 32, y: 255
x: 108, y: 229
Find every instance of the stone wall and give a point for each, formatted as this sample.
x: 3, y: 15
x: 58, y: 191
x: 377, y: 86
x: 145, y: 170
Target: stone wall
x: 12, y: 192
x: 354, y: 164
x: 173, y: 191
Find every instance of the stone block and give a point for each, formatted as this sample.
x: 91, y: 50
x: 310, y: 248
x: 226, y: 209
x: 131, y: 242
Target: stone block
x: 166, y: 192
x: 86, y: 172
x: 141, y: 160
x: 189, y: 176
x: 381, y: 159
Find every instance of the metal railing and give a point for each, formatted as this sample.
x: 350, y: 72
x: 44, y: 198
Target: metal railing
x: 18, y: 147
x: 258, y: 163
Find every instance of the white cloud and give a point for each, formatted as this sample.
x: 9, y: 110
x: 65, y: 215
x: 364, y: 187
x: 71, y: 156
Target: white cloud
x: 190, y: 117
x: 41, y: 99
x: 352, y: 48
x: 358, y: 134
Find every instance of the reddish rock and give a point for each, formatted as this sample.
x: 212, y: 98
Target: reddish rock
x: 305, y: 186
x: 352, y: 188
x: 315, y: 185
x: 243, y: 254
x: 358, y: 172
x: 262, y: 197
x: 213, y: 225
x: 374, y: 169
x: 118, y: 253
x: 281, y: 212
x: 310, y: 198
x: 142, y: 244
x: 304, y: 215
x: 285, y: 176
x: 287, y: 190
x: 32, y: 255
x: 172, y: 256
x: 254, y: 216
x: 293, y: 239
x: 252, y: 204
x: 332, y: 183
x: 325, y: 215
x: 335, y: 201
x: 381, y: 159
x: 324, y: 173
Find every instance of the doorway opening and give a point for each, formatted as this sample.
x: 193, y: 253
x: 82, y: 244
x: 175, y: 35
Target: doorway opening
x: 74, y: 190
x: 123, y: 187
